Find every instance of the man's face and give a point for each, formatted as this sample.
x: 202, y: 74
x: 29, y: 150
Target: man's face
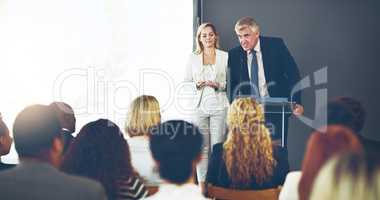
x: 247, y: 38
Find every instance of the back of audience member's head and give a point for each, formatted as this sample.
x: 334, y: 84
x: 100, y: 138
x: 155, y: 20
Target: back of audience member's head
x: 346, y: 111
x: 100, y: 152
x: 248, y: 150
x: 5, y: 138
x: 176, y: 147
x: 36, y: 132
x: 348, y: 177
x: 65, y: 115
x: 321, y: 147
x: 143, y: 114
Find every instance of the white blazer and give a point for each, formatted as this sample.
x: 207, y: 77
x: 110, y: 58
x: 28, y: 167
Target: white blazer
x: 194, y: 68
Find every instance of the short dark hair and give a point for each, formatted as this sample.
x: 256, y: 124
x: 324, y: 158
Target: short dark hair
x: 34, y: 129
x: 346, y: 111
x: 65, y: 115
x: 175, y: 144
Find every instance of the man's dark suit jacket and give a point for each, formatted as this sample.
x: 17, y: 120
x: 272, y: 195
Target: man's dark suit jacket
x: 281, y: 74
x: 280, y: 69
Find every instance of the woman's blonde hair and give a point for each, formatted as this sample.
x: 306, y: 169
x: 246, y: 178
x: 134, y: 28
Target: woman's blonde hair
x: 199, y: 49
x: 248, y: 150
x: 348, y: 177
x: 143, y: 114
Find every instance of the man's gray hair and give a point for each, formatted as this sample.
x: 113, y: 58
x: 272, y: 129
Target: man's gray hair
x: 245, y: 22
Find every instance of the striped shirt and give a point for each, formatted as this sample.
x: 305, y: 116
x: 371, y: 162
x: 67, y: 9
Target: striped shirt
x: 131, y: 188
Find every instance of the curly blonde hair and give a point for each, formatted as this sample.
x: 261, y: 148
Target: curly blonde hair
x: 143, y: 114
x: 248, y: 153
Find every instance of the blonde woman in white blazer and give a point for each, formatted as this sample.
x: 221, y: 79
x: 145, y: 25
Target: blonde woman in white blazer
x: 206, y: 68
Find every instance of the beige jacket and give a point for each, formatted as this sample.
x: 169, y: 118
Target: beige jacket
x: 194, y: 68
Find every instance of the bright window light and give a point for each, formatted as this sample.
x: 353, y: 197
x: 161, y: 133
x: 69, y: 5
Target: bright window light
x: 96, y: 55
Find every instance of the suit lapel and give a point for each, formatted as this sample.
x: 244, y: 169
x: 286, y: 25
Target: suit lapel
x: 267, y: 60
x: 243, y: 65
x: 217, y: 60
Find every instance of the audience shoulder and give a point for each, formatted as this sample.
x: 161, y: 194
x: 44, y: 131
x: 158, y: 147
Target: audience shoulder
x: 87, y: 187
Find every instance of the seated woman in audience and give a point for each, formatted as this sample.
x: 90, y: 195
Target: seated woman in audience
x: 5, y: 144
x: 247, y: 159
x: 348, y: 177
x: 100, y: 152
x: 143, y: 114
x: 321, y: 147
x: 176, y: 148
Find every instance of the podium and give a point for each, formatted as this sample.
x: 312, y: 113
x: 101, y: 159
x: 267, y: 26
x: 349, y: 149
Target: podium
x: 277, y: 105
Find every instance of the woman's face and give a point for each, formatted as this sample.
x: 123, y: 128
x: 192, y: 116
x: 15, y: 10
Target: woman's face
x: 208, y: 38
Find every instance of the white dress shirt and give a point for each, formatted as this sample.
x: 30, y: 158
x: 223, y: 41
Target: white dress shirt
x: 175, y: 192
x: 262, y: 82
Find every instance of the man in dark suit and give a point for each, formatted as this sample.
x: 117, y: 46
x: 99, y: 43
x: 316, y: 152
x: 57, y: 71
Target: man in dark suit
x: 262, y: 67
x: 38, y: 142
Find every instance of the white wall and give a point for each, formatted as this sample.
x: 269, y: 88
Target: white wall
x: 92, y: 54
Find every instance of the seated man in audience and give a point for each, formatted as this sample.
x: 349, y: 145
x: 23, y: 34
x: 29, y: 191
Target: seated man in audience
x: 38, y: 142
x: 349, y: 112
x: 66, y: 117
x: 5, y: 143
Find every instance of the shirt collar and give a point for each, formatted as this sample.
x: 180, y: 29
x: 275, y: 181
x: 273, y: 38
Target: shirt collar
x: 257, y: 48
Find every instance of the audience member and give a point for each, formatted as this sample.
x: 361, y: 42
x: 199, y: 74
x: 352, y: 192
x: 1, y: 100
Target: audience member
x: 66, y: 117
x: 100, y: 152
x: 350, y: 113
x: 348, y: 177
x: 5, y: 144
x: 320, y: 147
x: 247, y: 159
x: 176, y: 148
x: 38, y: 142
x: 143, y: 114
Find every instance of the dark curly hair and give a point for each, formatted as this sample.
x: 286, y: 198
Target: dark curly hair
x: 100, y: 152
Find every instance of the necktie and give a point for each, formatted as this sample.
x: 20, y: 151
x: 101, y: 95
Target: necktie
x: 254, y: 75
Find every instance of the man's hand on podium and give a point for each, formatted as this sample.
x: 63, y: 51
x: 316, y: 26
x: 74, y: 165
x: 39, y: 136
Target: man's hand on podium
x: 298, y: 109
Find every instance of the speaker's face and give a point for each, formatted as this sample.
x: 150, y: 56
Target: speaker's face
x: 247, y: 38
